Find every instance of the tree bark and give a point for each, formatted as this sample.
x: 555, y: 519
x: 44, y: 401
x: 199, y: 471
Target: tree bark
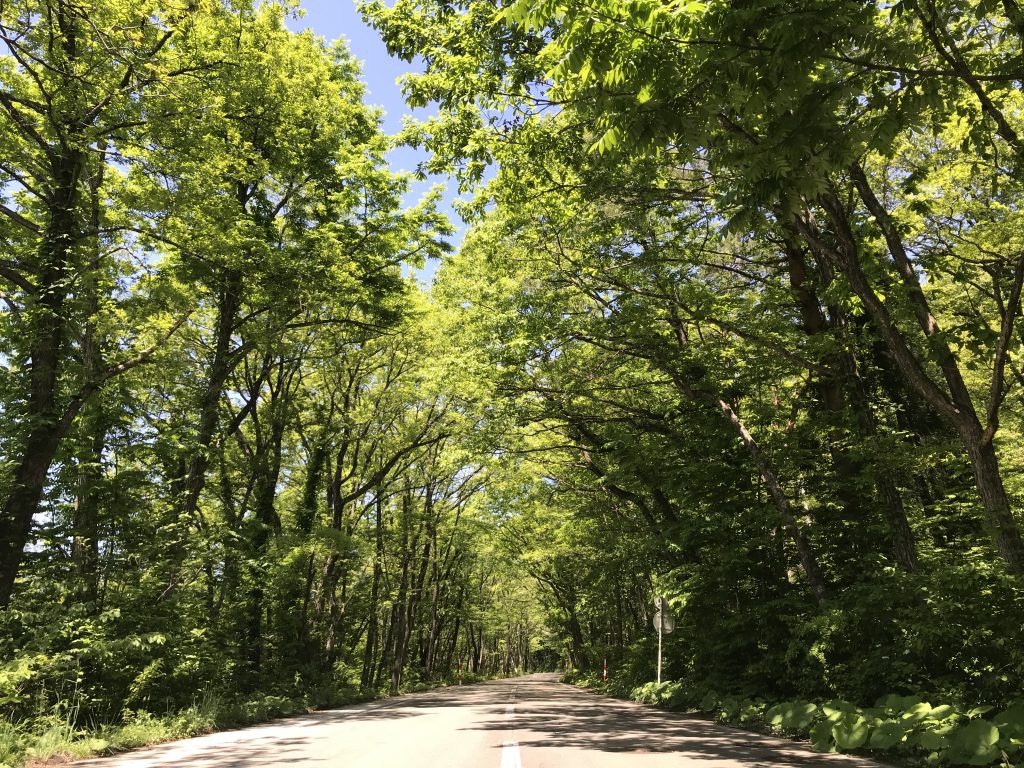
x: 370, y: 651
x: 953, y: 404
x: 85, y: 522
x: 44, y: 427
x: 902, y: 543
x: 229, y: 302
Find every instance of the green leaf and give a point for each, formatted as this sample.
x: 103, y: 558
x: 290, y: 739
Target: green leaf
x: 973, y: 744
x: 888, y: 734
x: 917, y: 713
x: 792, y: 715
x: 838, y: 707
x: 932, y: 741
x: 609, y: 141
x: 709, y: 702
x: 516, y: 13
x: 1011, y: 721
x: 729, y: 709
x: 941, y: 712
x: 821, y: 737
x: 851, y: 731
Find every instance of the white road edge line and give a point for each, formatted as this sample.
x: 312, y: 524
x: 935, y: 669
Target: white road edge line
x: 510, y: 755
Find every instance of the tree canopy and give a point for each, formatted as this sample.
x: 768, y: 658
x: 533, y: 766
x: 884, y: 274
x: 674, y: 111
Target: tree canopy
x: 735, y: 322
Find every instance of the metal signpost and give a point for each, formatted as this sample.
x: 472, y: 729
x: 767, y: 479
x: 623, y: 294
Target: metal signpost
x: 664, y: 622
x: 604, y: 677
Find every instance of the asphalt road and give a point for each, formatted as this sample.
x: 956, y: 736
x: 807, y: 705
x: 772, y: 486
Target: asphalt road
x: 525, y: 722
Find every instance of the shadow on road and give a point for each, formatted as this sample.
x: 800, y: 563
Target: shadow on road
x: 549, y: 716
x: 555, y: 724
x: 244, y: 755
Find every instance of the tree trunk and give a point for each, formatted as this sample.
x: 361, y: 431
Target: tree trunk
x: 887, y: 494
x: 369, y: 653
x: 229, y: 303
x: 47, y: 326
x: 953, y: 404
x: 808, y: 559
x: 989, y: 481
x: 85, y: 545
x: 85, y: 523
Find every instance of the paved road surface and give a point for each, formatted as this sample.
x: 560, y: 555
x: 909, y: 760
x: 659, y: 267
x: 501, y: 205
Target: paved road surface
x: 525, y: 722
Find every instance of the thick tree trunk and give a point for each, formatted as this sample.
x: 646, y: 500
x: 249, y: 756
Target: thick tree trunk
x: 435, y: 627
x: 989, y: 481
x: 408, y: 603
x: 85, y: 521
x: 229, y: 303
x: 953, y: 404
x: 305, y: 520
x: 306, y: 517
x: 888, y: 496
x: 450, y: 651
x: 44, y: 426
x: 265, y: 524
x: 400, y: 635
x: 901, y: 536
x: 474, y: 650
x: 384, y: 664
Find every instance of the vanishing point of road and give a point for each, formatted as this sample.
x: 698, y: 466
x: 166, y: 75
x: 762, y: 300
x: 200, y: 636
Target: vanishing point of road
x: 524, y: 722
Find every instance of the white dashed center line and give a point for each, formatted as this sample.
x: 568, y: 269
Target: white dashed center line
x: 510, y: 749
x: 510, y: 755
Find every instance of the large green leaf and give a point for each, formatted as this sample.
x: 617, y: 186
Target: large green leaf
x: 917, y: 712
x: 729, y: 708
x: 1011, y: 721
x: 932, y: 741
x: 941, y: 712
x: 888, y: 734
x: 821, y: 737
x: 792, y: 715
x: 851, y: 731
x: 709, y: 702
x: 973, y: 744
x: 836, y: 707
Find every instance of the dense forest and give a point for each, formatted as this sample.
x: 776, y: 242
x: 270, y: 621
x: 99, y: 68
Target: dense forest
x: 736, y: 321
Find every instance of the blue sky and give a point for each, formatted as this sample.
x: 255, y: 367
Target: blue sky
x: 338, y: 18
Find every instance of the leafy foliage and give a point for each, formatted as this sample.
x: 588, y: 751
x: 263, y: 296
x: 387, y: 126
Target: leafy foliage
x: 737, y: 323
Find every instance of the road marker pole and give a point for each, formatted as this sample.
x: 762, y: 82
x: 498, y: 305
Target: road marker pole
x: 608, y: 635
x: 664, y: 623
x: 661, y: 627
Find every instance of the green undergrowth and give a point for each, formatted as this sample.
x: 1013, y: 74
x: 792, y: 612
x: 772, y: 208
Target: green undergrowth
x: 55, y: 735
x: 902, y: 729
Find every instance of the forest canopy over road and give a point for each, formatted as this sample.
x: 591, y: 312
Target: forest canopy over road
x: 737, y: 322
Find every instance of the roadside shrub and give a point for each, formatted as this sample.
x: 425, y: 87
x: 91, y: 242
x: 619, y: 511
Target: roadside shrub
x: 900, y: 727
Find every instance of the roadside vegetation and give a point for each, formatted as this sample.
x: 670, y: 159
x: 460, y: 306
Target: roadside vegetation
x: 237, y: 469
x: 746, y: 279
x: 62, y: 735
x: 736, y: 322
x: 897, y: 729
